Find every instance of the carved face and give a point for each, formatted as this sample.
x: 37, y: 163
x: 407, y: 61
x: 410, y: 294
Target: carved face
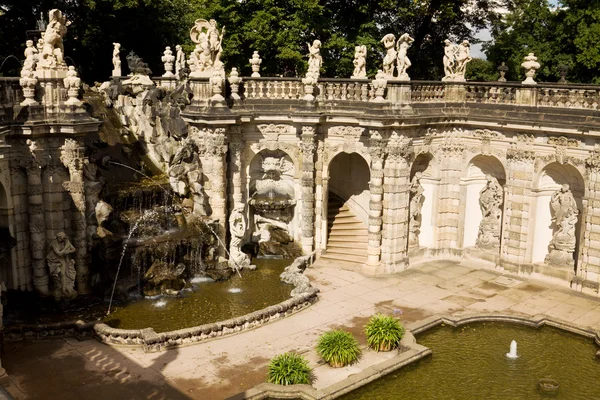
x: 565, y: 188
x: 271, y: 167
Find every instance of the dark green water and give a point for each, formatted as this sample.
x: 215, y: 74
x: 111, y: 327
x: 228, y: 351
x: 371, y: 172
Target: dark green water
x: 209, y: 302
x: 469, y: 363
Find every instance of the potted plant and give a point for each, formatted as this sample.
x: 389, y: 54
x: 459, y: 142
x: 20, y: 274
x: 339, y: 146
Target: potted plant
x: 289, y: 369
x: 384, y: 333
x: 338, y: 348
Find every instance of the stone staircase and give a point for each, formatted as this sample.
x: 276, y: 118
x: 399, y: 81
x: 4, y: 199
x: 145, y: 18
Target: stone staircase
x: 347, y: 235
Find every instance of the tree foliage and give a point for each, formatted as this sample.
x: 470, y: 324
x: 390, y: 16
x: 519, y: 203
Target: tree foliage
x: 565, y: 35
x: 278, y: 29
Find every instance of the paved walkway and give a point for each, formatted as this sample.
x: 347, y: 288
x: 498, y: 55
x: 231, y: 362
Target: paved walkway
x: 68, y: 369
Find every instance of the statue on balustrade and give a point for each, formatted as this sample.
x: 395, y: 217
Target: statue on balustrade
x: 403, y: 63
x: 456, y: 58
x: 491, y: 198
x: 209, y: 46
x: 389, y: 59
x: 360, y: 62
x: 62, y: 267
x: 52, y: 56
x: 565, y: 217
x: 314, y: 58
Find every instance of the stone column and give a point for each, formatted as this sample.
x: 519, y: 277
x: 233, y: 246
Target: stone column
x: 213, y: 147
x: 308, y: 148
x: 588, y: 267
x: 23, y: 280
x: 376, y: 150
x: 448, y: 216
x: 236, y: 146
x: 396, y: 195
x: 37, y: 228
x: 515, y: 231
x: 72, y: 156
x: 320, y: 198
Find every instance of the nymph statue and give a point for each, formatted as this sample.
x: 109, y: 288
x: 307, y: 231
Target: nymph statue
x: 491, y: 198
x: 403, y: 63
x: 62, y: 267
x: 360, y: 62
x: 416, y: 203
x: 389, y: 42
x: 116, y: 59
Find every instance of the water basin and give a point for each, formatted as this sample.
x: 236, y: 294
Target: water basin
x: 469, y: 363
x: 209, y: 301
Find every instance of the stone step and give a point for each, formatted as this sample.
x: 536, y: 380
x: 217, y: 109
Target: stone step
x: 331, y: 250
x: 341, y: 214
x: 358, y: 233
x: 337, y: 208
x: 335, y: 263
x: 348, y: 226
x: 345, y: 220
x: 345, y: 258
x: 346, y: 242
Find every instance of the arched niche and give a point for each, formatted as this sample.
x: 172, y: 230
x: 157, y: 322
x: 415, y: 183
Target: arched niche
x: 473, y: 182
x: 549, y: 181
x: 427, y: 166
x: 349, y: 177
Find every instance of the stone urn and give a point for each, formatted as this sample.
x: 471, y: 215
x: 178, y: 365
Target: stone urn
x: 379, y: 84
x: 28, y: 82
x: 309, y: 87
x: 168, y: 59
x: 234, y: 81
x: 530, y: 65
x: 255, y: 62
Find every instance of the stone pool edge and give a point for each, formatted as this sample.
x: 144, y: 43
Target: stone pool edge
x: 152, y: 341
x: 412, y: 352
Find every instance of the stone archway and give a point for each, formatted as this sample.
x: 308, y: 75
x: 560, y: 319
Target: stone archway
x: 475, y: 233
x: 347, y: 216
x: 425, y: 165
x: 545, y: 227
x: 7, y: 242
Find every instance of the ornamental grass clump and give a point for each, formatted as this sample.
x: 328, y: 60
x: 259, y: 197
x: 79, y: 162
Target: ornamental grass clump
x: 384, y: 333
x: 338, y: 348
x: 289, y: 369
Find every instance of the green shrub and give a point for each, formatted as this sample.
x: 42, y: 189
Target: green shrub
x: 384, y: 333
x: 289, y: 369
x: 338, y: 348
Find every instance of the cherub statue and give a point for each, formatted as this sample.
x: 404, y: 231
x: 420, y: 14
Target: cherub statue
x: 360, y: 62
x: 53, y: 52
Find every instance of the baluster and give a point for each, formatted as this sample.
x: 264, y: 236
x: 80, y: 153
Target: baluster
x: 344, y: 91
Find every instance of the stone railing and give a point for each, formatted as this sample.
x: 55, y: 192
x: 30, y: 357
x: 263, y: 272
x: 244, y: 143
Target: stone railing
x: 427, y: 91
x: 569, y: 96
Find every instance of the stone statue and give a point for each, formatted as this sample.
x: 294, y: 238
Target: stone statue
x: 565, y: 216
x: 314, y: 58
x: 40, y: 44
x: 255, y: 62
x: 530, y: 65
x: 360, y: 62
x: 456, y: 58
x: 491, y: 198
x: 403, y: 63
x: 52, y: 56
x: 379, y: 84
x: 168, y: 59
x: 209, y: 45
x: 103, y: 211
x: 389, y: 59
x: 62, y: 267
x: 179, y: 60
x: 116, y: 60
x: 31, y: 56
x: 237, y: 229
x: 416, y: 203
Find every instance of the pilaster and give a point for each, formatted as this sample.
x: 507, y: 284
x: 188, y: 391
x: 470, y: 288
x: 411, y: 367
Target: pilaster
x: 308, y: 147
x: 376, y: 149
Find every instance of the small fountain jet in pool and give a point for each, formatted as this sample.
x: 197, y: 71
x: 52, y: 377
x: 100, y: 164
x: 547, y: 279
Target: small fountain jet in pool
x: 512, y: 354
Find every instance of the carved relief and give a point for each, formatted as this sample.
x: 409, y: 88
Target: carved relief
x: 62, y: 267
x: 491, y: 199
x: 521, y: 150
x: 564, y: 216
x: 561, y: 144
x: 350, y: 135
x: 416, y: 203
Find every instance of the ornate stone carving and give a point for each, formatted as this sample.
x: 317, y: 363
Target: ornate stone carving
x: 237, y: 229
x: 116, y: 60
x: 185, y: 176
x: 530, y: 65
x: 234, y: 81
x: 52, y: 55
x: 403, y: 63
x: 521, y: 150
x: 416, y: 203
x: 486, y: 137
x: 350, y: 134
x: 28, y: 82
x: 255, y: 62
x: 379, y: 84
x: 491, y: 198
x: 593, y: 161
x: 206, y: 57
x: 360, y: 62
x: 456, y: 58
x: 31, y: 56
x: 62, y: 267
x: 168, y: 60
x: 103, y: 211
x: 565, y: 214
x: 561, y: 144
x: 72, y: 83
x: 314, y: 70
x: 399, y: 146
